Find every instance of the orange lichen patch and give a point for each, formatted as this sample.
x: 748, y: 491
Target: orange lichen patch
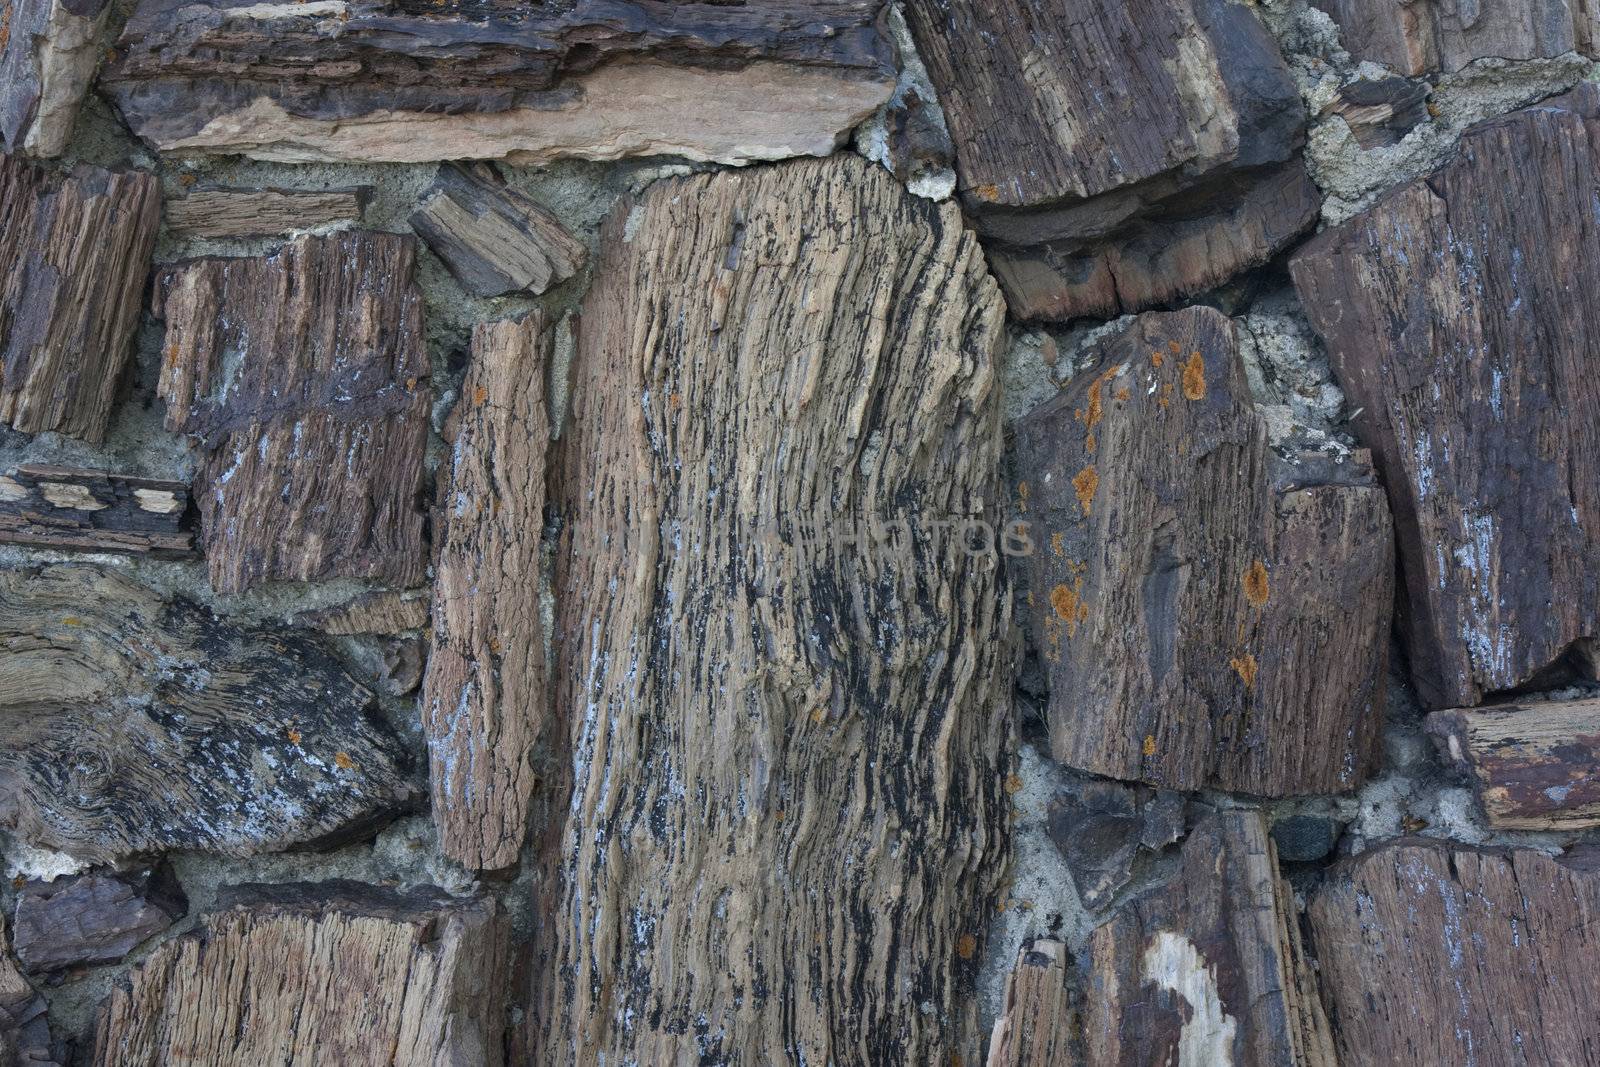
x: 292, y: 734
x: 966, y: 945
x: 1194, y: 377
x: 819, y: 715
x: 480, y: 394
x: 187, y: 180
x: 1022, y: 495
x: 1165, y: 397
x: 675, y: 401
x: 1058, y: 543
x: 987, y: 191
x: 1069, y: 605
x: 343, y: 761
x: 1085, y: 485
x: 1256, y: 588
x: 1149, y: 744
x: 1246, y: 667
x: 172, y: 355
x: 1090, y: 443
x: 1013, y: 784
x: 1123, y: 394
x: 1156, y: 359
x: 1175, y: 347
x: 1091, y: 416
x: 71, y: 620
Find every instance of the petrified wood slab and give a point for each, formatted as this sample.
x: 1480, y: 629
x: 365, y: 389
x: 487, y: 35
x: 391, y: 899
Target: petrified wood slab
x: 1210, y: 970
x: 135, y: 724
x: 69, y: 508
x: 93, y: 919
x: 318, y: 973
x: 1381, y: 111
x: 771, y: 363
x: 1456, y: 325
x: 261, y: 212
x: 74, y: 256
x: 1211, y: 614
x: 24, y: 1030
x: 1432, y: 953
x: 1040, y: 1022
x: 1121, y: 154
x: 1533, y: 766
x: 48, y: 52
x: 494, y: 239
x: 1422, y: 36
x: 483, y: 702
x: 383, y: 611
x: 408, y: 83
x: 302, y: 375
x: 1102, y: 827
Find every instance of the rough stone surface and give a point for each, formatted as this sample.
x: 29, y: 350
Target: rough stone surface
x: 375, y: 978
x: 1421, y: 36
x: 1453, y: 317
x: 258, y: 212
x: 302, y: 375
x: 597, y: 79
x: 94, y: 918
x: 48, y: 53
x: 1211, y: 614
x: 1041, y: 1017
x: 136, y: 724
x: 1532, y: 766
x: 1102, y: 827
x: 88, y: 510
x: 788, y: 815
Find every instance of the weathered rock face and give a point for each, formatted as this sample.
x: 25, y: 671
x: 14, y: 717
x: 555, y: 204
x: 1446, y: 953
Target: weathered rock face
x: 483, y: 704
x: 1101, y: 828
x: 1421, y: 36
x: 1456, y: 324
x: 1532, y: 766
x: 67, y: 508
x: 93, y: 919
x: 302, y: 375
x: 1117, y: 155
x: 74, y: 257
x: 1039, y: 1025
x: 261, y: 212
x: 135, y: 724
x: 597, y: 79
x: 25, y: 1039
x: 1210, y: 614
x: 48, y: 52
x: 1439, y: 953
x: 492, y: 238
x: 324, y: 973
x: 787, y: 731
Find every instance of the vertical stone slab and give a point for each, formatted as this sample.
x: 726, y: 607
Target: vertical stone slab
x: 788, y: 816
x: 483, y: 699
x: 48, y: 53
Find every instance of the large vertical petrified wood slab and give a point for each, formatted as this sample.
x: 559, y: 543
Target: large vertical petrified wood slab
x: 136, y: 724
x: 301, y: 373
x: 48, y: 52
x: 1117, y: 154
x: 1460, y: 324
x: 1432, y: 953
x: 1039, y: 1025
x: 490, y: 79
x: 1211, y: 969
x: 1421, y: 36
x: 787, y: 734
x: 1211, y: 613
x: 318, y: 973
x: 74, y: 257
x: 1532, y: 766
x: 483, y: 699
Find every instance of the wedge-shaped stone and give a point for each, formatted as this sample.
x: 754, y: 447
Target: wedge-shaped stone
x: 597, y: 79
x: 48, y: 52
x: 494, y: 239
x: 94, y: 918
x: 74, y: 257
x: 1211, y: 614
x: 69, y: 508
x: 136, y: 724
x: 1533, y: 766
x: 1435, y: 953
x: 1459, y: 324
x: 1425, y: 36
x: 1211, y: 969
x: 261, y: 212
x: 1117, y: 154
x: 336, y: 972
x: 483, y: 701
x: 301, y: 373
x: 789, y: 818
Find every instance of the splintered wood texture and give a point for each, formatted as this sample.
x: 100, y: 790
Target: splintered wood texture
x: 1211, y: 614
x: 134, y: 724
x: 334, y: 973
x: 302, y: 373
x: 788, y: 739
x: 24, y: 1030
x: 48, y: 53
x: 494, y: 239
x: 1210, y: 970
x: 1039, y: 1026
x: 1434, y: 954
x: 1419, y: 36
x: 1455, y: 323
x: 384, y: 611
x: 74, y: 256
x: 256, y: 212
x: 483, y: 700
x: 484, y: 79
x: 67, y: 508
x: 1533, y: 766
